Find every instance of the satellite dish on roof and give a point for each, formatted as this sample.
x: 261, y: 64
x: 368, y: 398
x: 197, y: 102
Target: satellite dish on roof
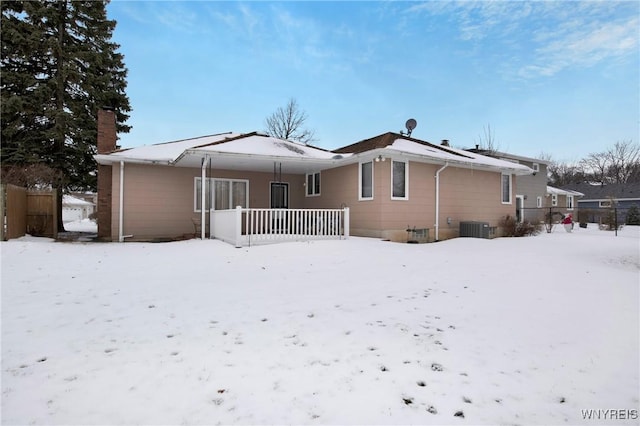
x: 410, y: 125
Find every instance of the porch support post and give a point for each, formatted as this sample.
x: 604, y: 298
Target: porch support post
x: 238, y: 227
x: 203, y: 200
x: 346, y: 222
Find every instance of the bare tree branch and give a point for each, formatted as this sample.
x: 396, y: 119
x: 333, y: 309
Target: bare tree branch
x: 596, y: 165
x: 287, y: 123
x: 487, y: 141
x: 623, y: 160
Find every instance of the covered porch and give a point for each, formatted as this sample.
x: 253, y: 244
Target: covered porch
x: 245, y: 227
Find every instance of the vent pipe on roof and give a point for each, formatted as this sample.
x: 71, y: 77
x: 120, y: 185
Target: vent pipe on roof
x: 445, y: 142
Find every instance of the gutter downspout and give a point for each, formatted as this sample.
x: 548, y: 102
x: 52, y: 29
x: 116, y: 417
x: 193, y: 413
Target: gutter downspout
x: 121, y: 204
x: 203, y: 201
x: 437, y: 225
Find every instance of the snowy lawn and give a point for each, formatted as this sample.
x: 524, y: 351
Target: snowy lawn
x: 508, y: 331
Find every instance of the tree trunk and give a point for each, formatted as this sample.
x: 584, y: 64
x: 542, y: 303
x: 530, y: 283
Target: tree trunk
x: 60, y: 127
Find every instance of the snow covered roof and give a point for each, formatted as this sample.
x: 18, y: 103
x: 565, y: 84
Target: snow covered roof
x: 456, y: 156
x: 166, y: 152
x: 558, y: 191
x: 252, y: 151
x: 257, y: 144
x: 258, y: 152
x: 70, y: 200
x: 428, y: 152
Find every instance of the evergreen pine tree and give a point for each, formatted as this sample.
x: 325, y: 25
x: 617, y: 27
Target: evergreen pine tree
x: 633, y: 216
x: 59, y: 66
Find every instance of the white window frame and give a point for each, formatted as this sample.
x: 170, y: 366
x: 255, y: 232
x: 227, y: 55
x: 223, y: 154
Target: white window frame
x: 538, y: 202
x: 569, y: 202
x: 360, y: 197
x: 211, y: 196
x: 520, y: 214
x: 604, y: 204
x: 197, y: 193
x: 536, y: 167
x: 315, y: 178
x: 406, y: 180
x: 554, y: 200
x: 510, y: 201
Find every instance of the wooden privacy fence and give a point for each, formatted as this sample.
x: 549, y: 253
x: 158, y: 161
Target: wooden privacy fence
x: 27, y: 212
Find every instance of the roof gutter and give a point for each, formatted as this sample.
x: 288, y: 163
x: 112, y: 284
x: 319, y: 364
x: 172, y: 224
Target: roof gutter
x: 276, y: 158
x: 389, y: 152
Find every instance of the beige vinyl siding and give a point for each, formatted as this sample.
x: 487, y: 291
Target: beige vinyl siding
x: 159, y: 200
x: 465, y: 194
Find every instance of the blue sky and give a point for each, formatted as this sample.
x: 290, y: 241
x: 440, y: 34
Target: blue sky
x: 559, y: 77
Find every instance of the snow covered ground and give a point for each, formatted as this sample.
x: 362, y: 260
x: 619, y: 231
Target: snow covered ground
x: 508, y: 331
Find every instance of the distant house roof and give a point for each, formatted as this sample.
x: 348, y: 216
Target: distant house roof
x: 558, y: 191
x: 500, y: 154
x: 70, y: 200
x: 597, y: 192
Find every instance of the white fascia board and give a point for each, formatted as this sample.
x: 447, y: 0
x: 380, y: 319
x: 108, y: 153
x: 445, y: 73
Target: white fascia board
x: 330, y: 162
x: 109, y: 159
x: 388, y: 152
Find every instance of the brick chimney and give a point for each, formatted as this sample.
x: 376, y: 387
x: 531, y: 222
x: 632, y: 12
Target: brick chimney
x: 106, y: 143
x: 106, y: 131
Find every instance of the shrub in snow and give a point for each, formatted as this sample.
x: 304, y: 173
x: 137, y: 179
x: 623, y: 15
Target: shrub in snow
x: 512, y: 228
x: 611, y: 221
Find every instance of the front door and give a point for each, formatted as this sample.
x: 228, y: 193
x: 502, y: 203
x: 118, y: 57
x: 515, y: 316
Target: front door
x: 279, y: 195
x: 279, y: 200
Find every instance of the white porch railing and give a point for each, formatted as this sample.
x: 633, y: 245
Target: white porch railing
x: 246, y: 227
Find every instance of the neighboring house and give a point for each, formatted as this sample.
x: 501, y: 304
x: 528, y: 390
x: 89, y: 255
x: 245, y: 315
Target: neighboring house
x: 598, y: 199
x: 563, y: 201
x: 532, y: 189
x: 75, y: 209
x: 388, y: 183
